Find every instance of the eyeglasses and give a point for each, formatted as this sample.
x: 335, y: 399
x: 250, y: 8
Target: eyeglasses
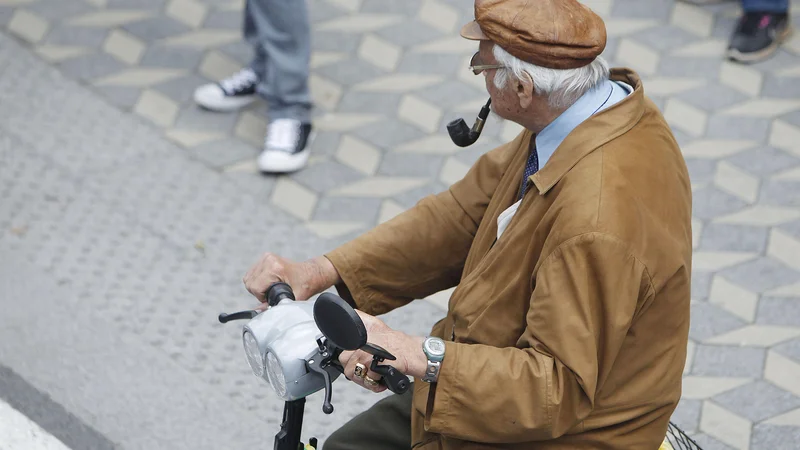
x: 478, y: 68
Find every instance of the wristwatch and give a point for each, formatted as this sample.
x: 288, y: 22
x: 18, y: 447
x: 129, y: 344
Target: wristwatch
x: 434, y: 351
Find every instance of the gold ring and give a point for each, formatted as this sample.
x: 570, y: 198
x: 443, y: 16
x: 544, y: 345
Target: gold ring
x: 369, y: 381
x: 360, y: 370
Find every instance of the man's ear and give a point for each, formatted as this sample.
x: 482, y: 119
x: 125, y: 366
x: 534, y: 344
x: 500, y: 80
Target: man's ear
x: 525, y: 90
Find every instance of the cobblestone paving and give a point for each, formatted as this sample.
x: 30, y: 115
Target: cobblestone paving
x: 138, y: 226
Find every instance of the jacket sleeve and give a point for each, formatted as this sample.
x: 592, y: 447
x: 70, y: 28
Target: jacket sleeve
x: 583, y: 303
x: 422, y: 250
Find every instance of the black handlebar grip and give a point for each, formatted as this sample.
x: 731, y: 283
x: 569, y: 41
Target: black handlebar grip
x: 277, y: 292
x: 394, y: 380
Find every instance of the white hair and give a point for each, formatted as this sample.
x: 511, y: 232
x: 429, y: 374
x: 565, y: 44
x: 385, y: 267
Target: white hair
x: 561, y: 87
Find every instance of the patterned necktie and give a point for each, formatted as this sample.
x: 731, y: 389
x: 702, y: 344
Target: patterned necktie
x: 531, y: 167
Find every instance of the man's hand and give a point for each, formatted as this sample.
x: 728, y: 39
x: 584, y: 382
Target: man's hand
x: 306, y: 278
x: 407, y: 349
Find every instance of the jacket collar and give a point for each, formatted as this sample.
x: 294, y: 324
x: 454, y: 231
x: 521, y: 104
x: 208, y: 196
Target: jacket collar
x: 594, y: 132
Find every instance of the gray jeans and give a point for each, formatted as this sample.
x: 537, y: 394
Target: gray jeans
x: 280, y: 35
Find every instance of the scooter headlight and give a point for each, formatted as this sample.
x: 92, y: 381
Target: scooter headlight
x: 276, y: 376
x: 253, y: 353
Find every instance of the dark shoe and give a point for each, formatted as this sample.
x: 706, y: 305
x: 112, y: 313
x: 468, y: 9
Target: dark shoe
x: 758, y: 35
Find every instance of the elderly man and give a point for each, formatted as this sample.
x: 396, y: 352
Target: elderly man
x: 570, y: 247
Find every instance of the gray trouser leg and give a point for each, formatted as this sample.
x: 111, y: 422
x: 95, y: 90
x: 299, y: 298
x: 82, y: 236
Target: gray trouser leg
x: 385, y: 426
x: 280, y: 35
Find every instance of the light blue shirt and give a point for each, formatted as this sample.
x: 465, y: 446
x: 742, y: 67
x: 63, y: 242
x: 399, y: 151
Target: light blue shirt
x: 603, y: 96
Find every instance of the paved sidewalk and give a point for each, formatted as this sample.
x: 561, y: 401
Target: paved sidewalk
x: 130, y: 214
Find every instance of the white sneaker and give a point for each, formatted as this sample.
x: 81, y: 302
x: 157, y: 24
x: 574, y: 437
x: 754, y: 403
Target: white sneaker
x: 285, y: 147
x: 230, y: 94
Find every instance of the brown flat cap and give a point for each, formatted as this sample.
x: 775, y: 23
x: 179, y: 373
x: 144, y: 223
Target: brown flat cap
x: 560, y: 34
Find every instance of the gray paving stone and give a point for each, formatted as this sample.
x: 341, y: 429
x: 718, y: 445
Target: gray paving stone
x: 325, y: 143
x: 764, y: 160
x: 451, y: 93
x: 408, y: 8
x: 792, y: 228
x: 761, y: 274
x: 369, y: 102
x: 709, y: 320
x: 410, y: 165
x: 716, y: 360
x: 197, y: 118
x: 701, y: 170
x: 324, y: 176
x: 701, y: 284
x: 241, y: 51
x: 712, y: 97
x: 171, y: 57
x: 470, y: 155
x: 410, y: 198
x: 757, y: 401
x: 348, y: 209
x: 424, y: 63
x: 224, y: 19
x: 323, y: 11
x: 398, y: 34
x: 790, y: 349
x: 223, y: 152
x: 121, y: 96
x: 780, y: 87
x: 58, y: 10
x: 181, y: 89
x: 738, y: 127
x: 351, y: 71
x: 687, y: 415
x: 707, y: 442
x: 774, y: 437
x: 664, y: 38
x: 723, y: 27
x: 92, y: 66
x: 792, y: 117
x: 782, y: 193
x: 153, y: 29
x: 387, y: 134
x: 332, y: 41
x: 779, y: 60
x: 5, y: 15
x: 710, y: 202
x: 682, y: 66
x: 78, y: 36
x: 779, y: 311
x: 637, y: 9
x: 256, y: 185
x: 136, y: 4
x: 728, y: 237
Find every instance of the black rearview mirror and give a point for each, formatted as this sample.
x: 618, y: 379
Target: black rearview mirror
x: 339, y: 322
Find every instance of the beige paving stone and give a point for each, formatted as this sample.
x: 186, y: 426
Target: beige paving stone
x: 319, y: 59
x: 782, y: 372
x: 399, y: 82
x: 784, y: 247
x: 764, y: 107
x: 761, y: 215
x: 379, y: 52
x: 701, y: 388
x: 639, y: 57
x: 344, y: 121
x: 742, y: 78
x: 693, y: 19
x: 98, y: 3
x: 691, y: 348
x: 451, y: 45
x: 360, y: 23
x: 756, y: 336
x: 156, y: 108
x: 348, y: 5
x: 600, y: 7
x: 389, y: 210
x: 697, y: 230
x: 663, y: 86
x: 789, y: 72
x: 330, y: 229
x: 441, y: 298
x: 379, y: 186
x: 716, y: 148
x: 719, y: 260
x: 734, y: 299
x: 28, y: 26
x: 190, y: 12
x: 619, y: 27
x: 59, y: 53
x: 251, y: 128
x: 202, y: 39
x: 192, y: 138
x: 785, y: 136
x: 423, y: 114
x: 124, y: 46
x: 439, y: 15
x: 725, y: 426
x: 246, y: 166
x: 325, y: 93
x: 108, y: 18
x: 792, y: 290
x: 294, y: 198
x: 686, y: 117
x: 217, y: 66
x: 358, y: 154
x: 435, y: 144
x: 452, y: 171
x: 140, y: 77
x: 735, y: 181
x: 789, y: 419
x: 709, y: 47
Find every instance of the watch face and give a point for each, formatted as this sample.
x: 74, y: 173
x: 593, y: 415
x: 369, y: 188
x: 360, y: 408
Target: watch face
x: 435, y: 346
